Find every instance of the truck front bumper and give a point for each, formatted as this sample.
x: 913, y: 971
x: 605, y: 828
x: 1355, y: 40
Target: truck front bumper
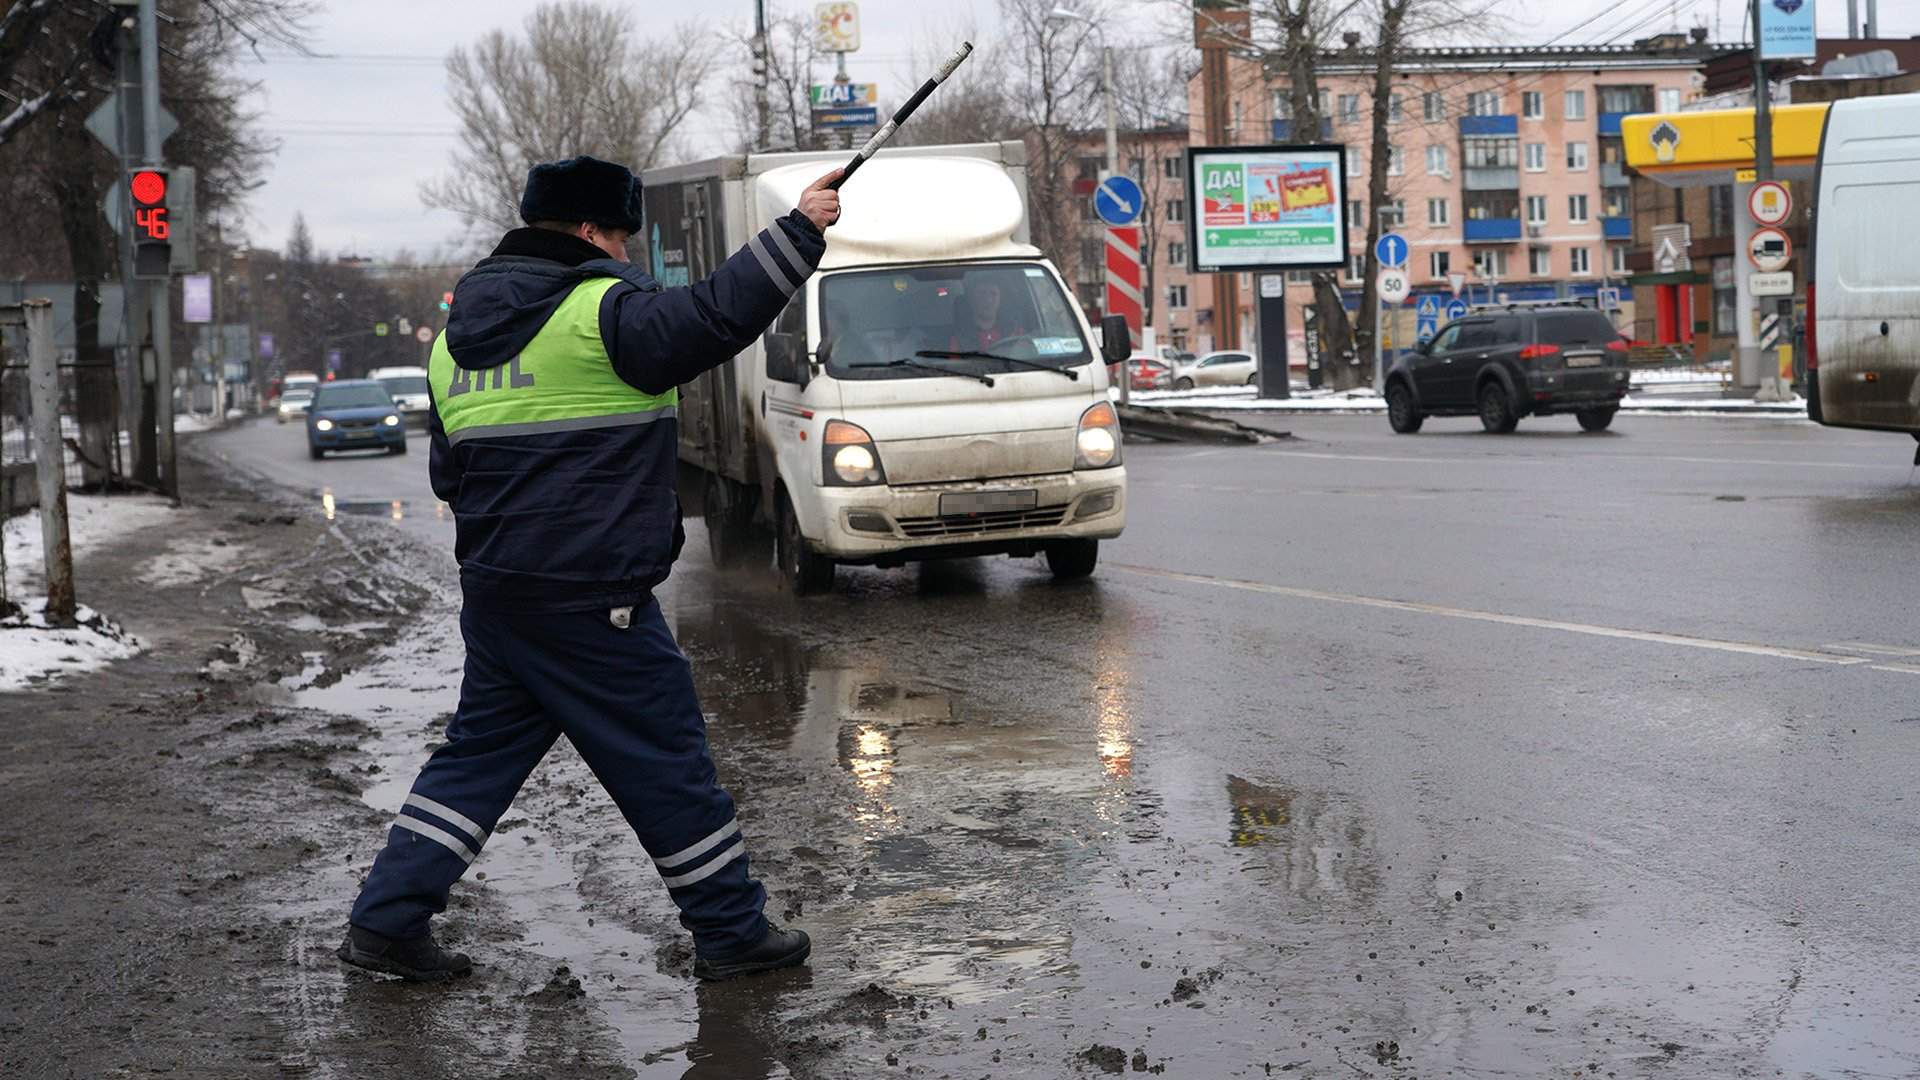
x: 885, y: 525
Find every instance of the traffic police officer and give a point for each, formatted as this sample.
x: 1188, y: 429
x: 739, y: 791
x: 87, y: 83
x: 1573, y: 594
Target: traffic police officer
x: 554, y: 440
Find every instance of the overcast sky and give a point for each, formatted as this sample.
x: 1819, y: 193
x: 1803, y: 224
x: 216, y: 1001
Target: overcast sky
x: 361, y: 125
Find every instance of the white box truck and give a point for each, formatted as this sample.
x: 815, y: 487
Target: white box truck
x: 934, y: 391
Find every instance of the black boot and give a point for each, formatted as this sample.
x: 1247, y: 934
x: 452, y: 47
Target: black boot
x: 414, y: 959
x: 778, y: 949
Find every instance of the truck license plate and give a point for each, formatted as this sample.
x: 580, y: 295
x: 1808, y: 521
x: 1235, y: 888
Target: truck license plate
x: 987, y: 502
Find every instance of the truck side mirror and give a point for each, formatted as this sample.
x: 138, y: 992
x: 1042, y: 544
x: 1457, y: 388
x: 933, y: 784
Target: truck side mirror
x: 1116, y: 341
x: 786, y: 359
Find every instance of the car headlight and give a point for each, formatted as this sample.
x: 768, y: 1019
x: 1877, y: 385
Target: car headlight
x: 851, y: 457
x: 323, y: 425
x: 392, y: 421
x: 1097, y: 444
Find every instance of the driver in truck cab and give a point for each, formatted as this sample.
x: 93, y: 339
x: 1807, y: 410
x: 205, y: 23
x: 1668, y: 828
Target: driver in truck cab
x: 553, y: 439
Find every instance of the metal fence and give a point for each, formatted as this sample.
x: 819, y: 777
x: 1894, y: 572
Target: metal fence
x: 100, y: 467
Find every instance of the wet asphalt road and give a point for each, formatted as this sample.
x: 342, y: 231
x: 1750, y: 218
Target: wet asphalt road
x: 1398, y: 755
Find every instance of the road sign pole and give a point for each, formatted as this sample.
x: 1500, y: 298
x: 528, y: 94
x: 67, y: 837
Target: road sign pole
x: 1746, y: 372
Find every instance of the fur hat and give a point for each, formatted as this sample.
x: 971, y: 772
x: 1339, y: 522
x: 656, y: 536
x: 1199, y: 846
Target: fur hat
x: 582, y: 189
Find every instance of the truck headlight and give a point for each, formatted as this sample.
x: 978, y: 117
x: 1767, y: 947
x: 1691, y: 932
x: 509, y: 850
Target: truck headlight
x: 392, y: 421
x: 323, y: 425
x: 1097, y: 444
x: 851, y: 458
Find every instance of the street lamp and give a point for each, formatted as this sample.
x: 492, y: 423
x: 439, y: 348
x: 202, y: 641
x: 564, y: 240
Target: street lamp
x: 1062, y: 14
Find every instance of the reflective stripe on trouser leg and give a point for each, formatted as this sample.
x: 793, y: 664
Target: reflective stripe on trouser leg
x: 626, y: 701
x: 496, y: 738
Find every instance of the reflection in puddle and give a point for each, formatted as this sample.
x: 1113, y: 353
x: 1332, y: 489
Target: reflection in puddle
x: 1317, y: 845
x: 1115, y: 724
x: 392, y: 509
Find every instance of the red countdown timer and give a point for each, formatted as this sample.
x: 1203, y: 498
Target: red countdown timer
x: 150, y: 210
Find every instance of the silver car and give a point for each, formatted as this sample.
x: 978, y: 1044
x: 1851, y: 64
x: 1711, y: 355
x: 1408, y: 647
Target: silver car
x: 1227, y: 368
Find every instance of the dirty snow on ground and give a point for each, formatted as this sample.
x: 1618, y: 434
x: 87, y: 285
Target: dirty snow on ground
x: 187, y: 561
x: 31, y: 652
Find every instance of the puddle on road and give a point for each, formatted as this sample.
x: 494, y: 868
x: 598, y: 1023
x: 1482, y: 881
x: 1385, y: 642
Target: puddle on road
x: 393, y: 509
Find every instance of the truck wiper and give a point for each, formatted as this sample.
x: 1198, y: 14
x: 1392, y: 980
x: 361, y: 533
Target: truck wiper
x: 976, y: 354
x: 987, y: 379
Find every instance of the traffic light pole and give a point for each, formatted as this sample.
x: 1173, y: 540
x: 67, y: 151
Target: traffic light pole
x: 159, y: 299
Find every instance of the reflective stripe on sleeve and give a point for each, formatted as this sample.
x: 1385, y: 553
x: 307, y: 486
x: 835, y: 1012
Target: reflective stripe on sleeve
x: 449, y: 815
x: 706, y: 844
x: 738, y: 849
x: 787, y: 251
x: 781, y: 281
x: 439, y: 836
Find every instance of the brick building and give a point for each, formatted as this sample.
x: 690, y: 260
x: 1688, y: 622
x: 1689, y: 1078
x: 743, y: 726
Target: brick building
x: 1506, y: 165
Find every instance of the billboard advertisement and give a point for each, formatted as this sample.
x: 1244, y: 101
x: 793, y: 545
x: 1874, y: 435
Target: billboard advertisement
x: 1267, y: 207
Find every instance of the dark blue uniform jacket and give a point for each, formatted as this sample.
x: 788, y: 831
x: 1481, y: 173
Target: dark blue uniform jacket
x: 576, y: 520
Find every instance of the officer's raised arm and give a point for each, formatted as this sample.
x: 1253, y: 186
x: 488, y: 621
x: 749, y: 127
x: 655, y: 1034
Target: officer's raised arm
x: 658, y: 340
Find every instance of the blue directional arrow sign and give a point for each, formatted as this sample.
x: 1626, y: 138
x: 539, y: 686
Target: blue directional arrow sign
x: 1391, y: 250
x: 1118, y: 200
x: 1428, y: 309
x: 1456, y: 308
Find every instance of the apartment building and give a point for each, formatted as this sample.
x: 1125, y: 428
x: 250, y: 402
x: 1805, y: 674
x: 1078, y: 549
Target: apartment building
x: 1506, y: 165
x: 1155, y: 158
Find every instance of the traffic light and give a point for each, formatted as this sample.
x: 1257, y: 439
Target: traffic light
x: 152, y: 231
x: 446, y: 301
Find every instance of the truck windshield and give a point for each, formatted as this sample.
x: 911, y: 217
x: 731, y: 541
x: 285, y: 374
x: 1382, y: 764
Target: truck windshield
x: 1014, y: 309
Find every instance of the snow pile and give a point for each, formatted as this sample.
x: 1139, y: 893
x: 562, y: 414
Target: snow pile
x: 92, y: 520
x: 187, y: 561
x: 32, y: 653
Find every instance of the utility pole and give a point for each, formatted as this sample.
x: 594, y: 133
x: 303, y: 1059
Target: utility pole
x: 1763, y: 370
x: 159, y: 298
x: 50, y: 461
x: 761, y: 55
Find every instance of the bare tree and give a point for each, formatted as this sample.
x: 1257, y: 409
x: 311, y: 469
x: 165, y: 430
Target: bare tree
x: 790, y: 61
x: 1054, y: 67
x: 973, y: 105
x: 580, y: 81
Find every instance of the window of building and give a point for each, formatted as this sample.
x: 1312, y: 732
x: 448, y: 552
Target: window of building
x: 1180, y: 340
x: 1299, y: 277
x: 1577, y: 261
x: 1536, y: 157
x: 1356, y: 214
x: 1093, y: 259
x: 1576, y: 157
x: 1177, y: 252
x: 1349, y: 108
x: 1353, y: 164
x: 1613, y: 201
x: 1616, y: 258
x: 1087, y: 212
x: 1724, y: 307
x: 1439, y: 263
x: 1436, y: 160
x: 1437, y: 211
x: 1282, y: 104
x: 1490, y: 205
x: 1433, y: 106
x: 1394, y: 114
x: 1489, y: 153
x: 1088, y: 168
x: 1393, y: 214
x: 1720, y: 210
x: 1356, y: 267
x: 1536, y: 209
x: 1176, y: 210
x: 1575, y: 105
x: 1170, y: 168
x: 1176, y: 296
x: 1396, y: 161
x: 1577, y: 209
x: 1532, y: 104
x: 1626, y: 99
x: 1490, y: 262
x: 1539, y: 261
x: 1670, y: 100
x: 1483, y: 103
x: 1137, y: 168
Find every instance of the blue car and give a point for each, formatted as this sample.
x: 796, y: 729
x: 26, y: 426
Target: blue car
x: 354, y: 414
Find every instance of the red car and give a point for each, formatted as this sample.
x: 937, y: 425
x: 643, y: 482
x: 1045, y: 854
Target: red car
x: 1148, y: 373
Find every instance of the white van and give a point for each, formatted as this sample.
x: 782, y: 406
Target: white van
x: 932, y: 392
x: 408, y: 388
x: 1863, y: 302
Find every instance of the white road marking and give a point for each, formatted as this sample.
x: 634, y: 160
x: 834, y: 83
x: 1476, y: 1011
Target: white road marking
x: 1594, y: 459
x: 1653, y: 637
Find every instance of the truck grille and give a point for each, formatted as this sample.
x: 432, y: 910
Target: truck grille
x: 976, y: 524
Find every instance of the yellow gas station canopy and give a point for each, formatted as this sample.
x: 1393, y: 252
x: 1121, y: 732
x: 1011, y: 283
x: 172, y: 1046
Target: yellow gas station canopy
x: 1689, y: 149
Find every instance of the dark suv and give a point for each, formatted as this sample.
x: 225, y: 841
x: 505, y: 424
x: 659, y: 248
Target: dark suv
x: 1508, y: 362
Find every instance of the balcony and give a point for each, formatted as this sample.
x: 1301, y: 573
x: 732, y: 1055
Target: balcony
x: 1498, y: 178
x: 1492, y: 230
x: 1616, y: 228
x: 1282, y: 130
x: 1610, y: 123
x: 1613, y: 174
x: 1490, y: 125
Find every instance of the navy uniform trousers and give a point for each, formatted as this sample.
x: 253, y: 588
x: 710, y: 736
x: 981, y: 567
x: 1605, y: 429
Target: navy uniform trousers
x: 617, y: 686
